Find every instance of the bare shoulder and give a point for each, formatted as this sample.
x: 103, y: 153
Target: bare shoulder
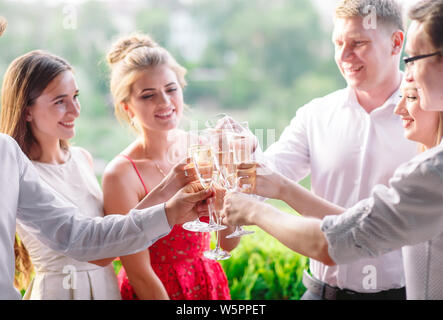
x: 117, y: 170
x: 119, y: 184
x: 120, y: 167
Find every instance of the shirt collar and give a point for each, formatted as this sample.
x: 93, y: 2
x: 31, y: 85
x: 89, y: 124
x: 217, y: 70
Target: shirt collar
x: 392, y: 101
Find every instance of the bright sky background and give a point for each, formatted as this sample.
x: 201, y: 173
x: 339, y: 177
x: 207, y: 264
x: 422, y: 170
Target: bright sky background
x: 328, y: 4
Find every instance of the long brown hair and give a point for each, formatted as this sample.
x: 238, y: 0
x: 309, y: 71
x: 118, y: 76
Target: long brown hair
x: 25, y: 80
x: 430, y: 14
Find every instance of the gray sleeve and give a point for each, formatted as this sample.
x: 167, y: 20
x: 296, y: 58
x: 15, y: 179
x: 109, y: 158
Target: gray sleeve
x: 60, y: 226
x: 408, y: 212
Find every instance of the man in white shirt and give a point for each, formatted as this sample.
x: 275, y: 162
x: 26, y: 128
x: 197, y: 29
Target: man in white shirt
x: 350, y: 140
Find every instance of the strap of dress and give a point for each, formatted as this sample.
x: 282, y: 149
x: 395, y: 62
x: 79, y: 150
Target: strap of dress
x: 136, y: 170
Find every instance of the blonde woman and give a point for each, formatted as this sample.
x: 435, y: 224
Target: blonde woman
x: 147, y: 86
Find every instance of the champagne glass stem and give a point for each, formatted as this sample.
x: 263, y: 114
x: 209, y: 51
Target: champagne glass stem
x: 211, y: 209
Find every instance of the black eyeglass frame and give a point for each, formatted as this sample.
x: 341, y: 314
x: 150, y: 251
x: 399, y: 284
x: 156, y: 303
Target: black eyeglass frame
x: 408, y: 60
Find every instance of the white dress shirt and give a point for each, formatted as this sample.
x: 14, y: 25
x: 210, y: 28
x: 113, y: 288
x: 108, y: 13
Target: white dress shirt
x: 347, y: 152
x: 58, y: 225
x: 407, y: 213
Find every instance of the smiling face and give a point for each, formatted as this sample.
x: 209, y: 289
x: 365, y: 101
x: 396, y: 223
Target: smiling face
x: 53, y: 113
x: 364, y: 56
x: 156, y: 99
x: 419, y: 125
x: 427, y: 73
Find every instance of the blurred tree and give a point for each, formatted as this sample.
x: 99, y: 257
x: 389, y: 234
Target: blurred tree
x: 272, y: 54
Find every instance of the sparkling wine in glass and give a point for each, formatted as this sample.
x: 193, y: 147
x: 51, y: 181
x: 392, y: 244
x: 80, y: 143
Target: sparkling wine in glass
x: 243, y: 158
x: 218, y: 253
x: 203, y: 160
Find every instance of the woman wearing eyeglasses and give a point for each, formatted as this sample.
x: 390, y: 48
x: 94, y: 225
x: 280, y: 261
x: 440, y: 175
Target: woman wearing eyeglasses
x: 407, y: 213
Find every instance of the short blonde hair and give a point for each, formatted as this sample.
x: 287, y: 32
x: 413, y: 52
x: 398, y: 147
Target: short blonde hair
x: 130, y: 56
x: 388, y: 12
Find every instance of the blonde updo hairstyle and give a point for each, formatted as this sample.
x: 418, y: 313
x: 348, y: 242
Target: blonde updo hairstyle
x: 127, y: 59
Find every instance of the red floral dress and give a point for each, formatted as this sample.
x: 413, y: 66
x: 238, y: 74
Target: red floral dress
x: 178, y: 261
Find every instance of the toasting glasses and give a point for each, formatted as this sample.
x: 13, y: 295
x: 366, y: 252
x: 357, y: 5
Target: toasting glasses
x: 234, y: 149
x: 242, y: 156
x: 218, y: 253
x: 203, y: 161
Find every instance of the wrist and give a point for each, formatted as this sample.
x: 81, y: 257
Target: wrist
x: 253, y: 213
x: 282, y: 189
x: 170, y: 214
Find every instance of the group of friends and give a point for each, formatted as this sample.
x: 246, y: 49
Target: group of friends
x: 373, y: 150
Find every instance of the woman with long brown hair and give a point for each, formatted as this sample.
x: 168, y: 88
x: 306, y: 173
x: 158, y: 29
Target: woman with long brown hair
x: 39, y: 108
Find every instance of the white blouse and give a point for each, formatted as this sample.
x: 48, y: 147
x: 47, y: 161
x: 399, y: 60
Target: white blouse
x: 407, y: 213
x: 57, y: 224
x: 59, y: 276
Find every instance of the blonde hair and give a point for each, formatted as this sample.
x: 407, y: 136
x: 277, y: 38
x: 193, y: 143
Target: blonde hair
x: 439, y: 134
x: 25, y: 80
x: 388, y: 12
x: 3, y: 24
x: 129, y: 57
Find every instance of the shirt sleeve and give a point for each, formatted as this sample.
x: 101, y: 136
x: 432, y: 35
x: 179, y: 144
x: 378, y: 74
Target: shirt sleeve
x: 61, y: 227
x: 408, y: 212
x: 290, y: 154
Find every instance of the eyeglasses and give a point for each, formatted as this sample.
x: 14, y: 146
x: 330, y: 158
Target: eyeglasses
x: 408, y: 60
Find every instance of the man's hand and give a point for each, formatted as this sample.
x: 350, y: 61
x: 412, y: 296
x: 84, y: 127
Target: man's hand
x: 181, y: 207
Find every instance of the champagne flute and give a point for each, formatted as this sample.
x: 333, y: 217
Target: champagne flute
x: 206, y: 171
x: 195, y: 225
x: 218, y: 253
x: 203, y: 160
x: 242, y: 153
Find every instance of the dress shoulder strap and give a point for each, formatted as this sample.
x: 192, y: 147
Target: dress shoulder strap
x: 136, y: 170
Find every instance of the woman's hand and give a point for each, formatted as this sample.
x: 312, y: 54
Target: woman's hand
x: 180, y: 175
x: 263, y: 181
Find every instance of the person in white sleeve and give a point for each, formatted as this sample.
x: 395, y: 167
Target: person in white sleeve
x: 347, y: 139
x: 25, y: 198
x: 406, y: 213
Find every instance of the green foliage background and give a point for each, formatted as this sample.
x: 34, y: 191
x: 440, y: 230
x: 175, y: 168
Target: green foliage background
x: 258, y: 60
